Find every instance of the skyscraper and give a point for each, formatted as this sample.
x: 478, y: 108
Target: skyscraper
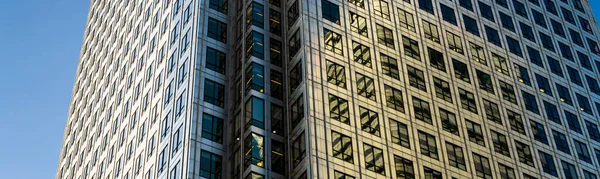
x: 336, y: 89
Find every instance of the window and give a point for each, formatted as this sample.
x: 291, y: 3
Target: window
x: 381, y: 9
x: 555, y: 66
x: 588, y: 175
x: 516, y: 122
x: 527, y: 32
x: 592, y: 129
x: 552, y: 112
x: 539, y: 133
x: 475, y: 133
x: 369, y: 121
x: 366, y: 86
x: 277, y: 156
x: 574, y: 76
x: 482, y: 166
x: 294, y: 43
x: 416, y: 78
x: 385, y: 36
x: 254, y: 144
x: 340, y: 175
x: 330, y: 11
x: 557, y: 28
x: 506, y: 172
x: 255, y: 78
x: 477, y: 53
x: 431, y: 32
x: 500, y: 143
x: 215, y: 60
x: 471, y: 25
x: 219, y: 6
x: 333, y: 42
x: 493, y: 36
x: 214, y: 93
x: 275, y: 22
x: 361, y: 54
x: 548, y: 164
x: 492, y: 112
x: 514, y: 46
x: 584, y: 104
x: 393, y: 99
x: 508, y: 92
x: 358, y: 24
x: 461, y: 71
x: 547, y: 42
x: 297, y: 111
x: 456, y: 157
x: 522, y: 75
x: 298, y: 149
x: 277, y: 124
x: 543, y: 85
x: 448, y: 14
x: 582, y: 151
x: 519, y: 8
x: 485, y: 81
x: 338, y: 109
x: 399, y: 133
x: 454, y: 43
x: 564, y: 94
x: 389, y: 66
x: 565, y: 51
x: 467, y: 4
x: 404, y: 168
x: 486, y: 11
x: 255, y: 45
x: 507, y: 22
x: 449, y: 122
x: 211, y: 165
x: 217, y: 30
x: 431, y: 174
x: 336, y: 74
x: 428, y: 145
x: 539, y: 18
x: 524, y: 154
x: 295, y: 77
x: 358, y: 3
x: 342, y: 147
x: 500, y: 64
x: 426, y: 5
x: 255, y: 15
x: 422, y: 111
x: 411, y: 48
x: 276, y: 83
x: 573, y: 122
x: 212, y: 128
x: 374, y: 159
x: 569, y: 170
x: 576, y: 37
x: 467, y: 100
x: 255, y: 112
x: 530, y: 102
x: 406, y: 20
x: 561, y: 142
x: 293, y: 14
x: 442, y: 89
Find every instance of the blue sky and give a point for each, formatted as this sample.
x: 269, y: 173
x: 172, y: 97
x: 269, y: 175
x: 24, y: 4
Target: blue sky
x: 40, y: 42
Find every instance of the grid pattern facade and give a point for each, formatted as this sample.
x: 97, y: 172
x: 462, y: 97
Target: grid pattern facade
x: 336, y: 89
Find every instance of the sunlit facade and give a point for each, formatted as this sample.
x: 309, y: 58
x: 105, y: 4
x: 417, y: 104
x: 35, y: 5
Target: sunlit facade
x: 336, y: 89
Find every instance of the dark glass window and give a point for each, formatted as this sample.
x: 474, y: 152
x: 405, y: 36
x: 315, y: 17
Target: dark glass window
x: 404, y: 168
x: 436, y: 59
x: 493, y: 36
x: 369, y: 121
x: 212, y: 128
x: 217, y: 30
x: 486, y: 11
x: 539, y: 133
x: 524, y: 153
x: 449, y: 122
x: 552, y: 112
x: 539, y: 18
x: 361, y: 54
x: 399, y: 132
x: 330, y: 11
x: 485, y: 81
x: 255, y: 45
x: 569, y: 170
x: 543, y: 84
x: 442, y: 89
x: 374, y: 159
x: 338, y: 109
x: 385, y: 36
x: 561, y: 142
x: 448, y: 14
x: 416, y: 78
x: 336, y: 74
x: 564, y: 94
x: 215, y: 60
x: 475, y: 133
x: 393, y: 99
x: 500, y: 143
x: 507, y: 22
x: 461, y: 71
x: 456, y: 156
x: 592, y: 129
x: 482, y: 166
x: 219, y: 5
x: 214, y: 93
x: 422, y: 110
x: 471, y: 25
x: 527, y: 32
x: 426, y: 5
x: 211, y: 165
x: 255, y: 112
x: 548, y: 164
x: 342, y: 147
x: 555, y: 66
x: 365, y: 86
x: 583, y: 152
x: 530, y: 102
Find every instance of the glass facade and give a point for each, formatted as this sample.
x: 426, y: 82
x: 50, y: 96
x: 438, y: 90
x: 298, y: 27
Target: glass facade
x: 336, y: 89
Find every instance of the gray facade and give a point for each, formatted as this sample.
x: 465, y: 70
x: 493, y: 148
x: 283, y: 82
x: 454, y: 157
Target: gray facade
x: 336, y: 89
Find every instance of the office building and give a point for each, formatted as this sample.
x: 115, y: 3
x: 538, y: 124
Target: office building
x: 170, y: 89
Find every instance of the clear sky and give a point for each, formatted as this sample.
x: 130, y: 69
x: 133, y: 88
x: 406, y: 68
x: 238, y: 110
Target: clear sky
x: 40, y: 42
